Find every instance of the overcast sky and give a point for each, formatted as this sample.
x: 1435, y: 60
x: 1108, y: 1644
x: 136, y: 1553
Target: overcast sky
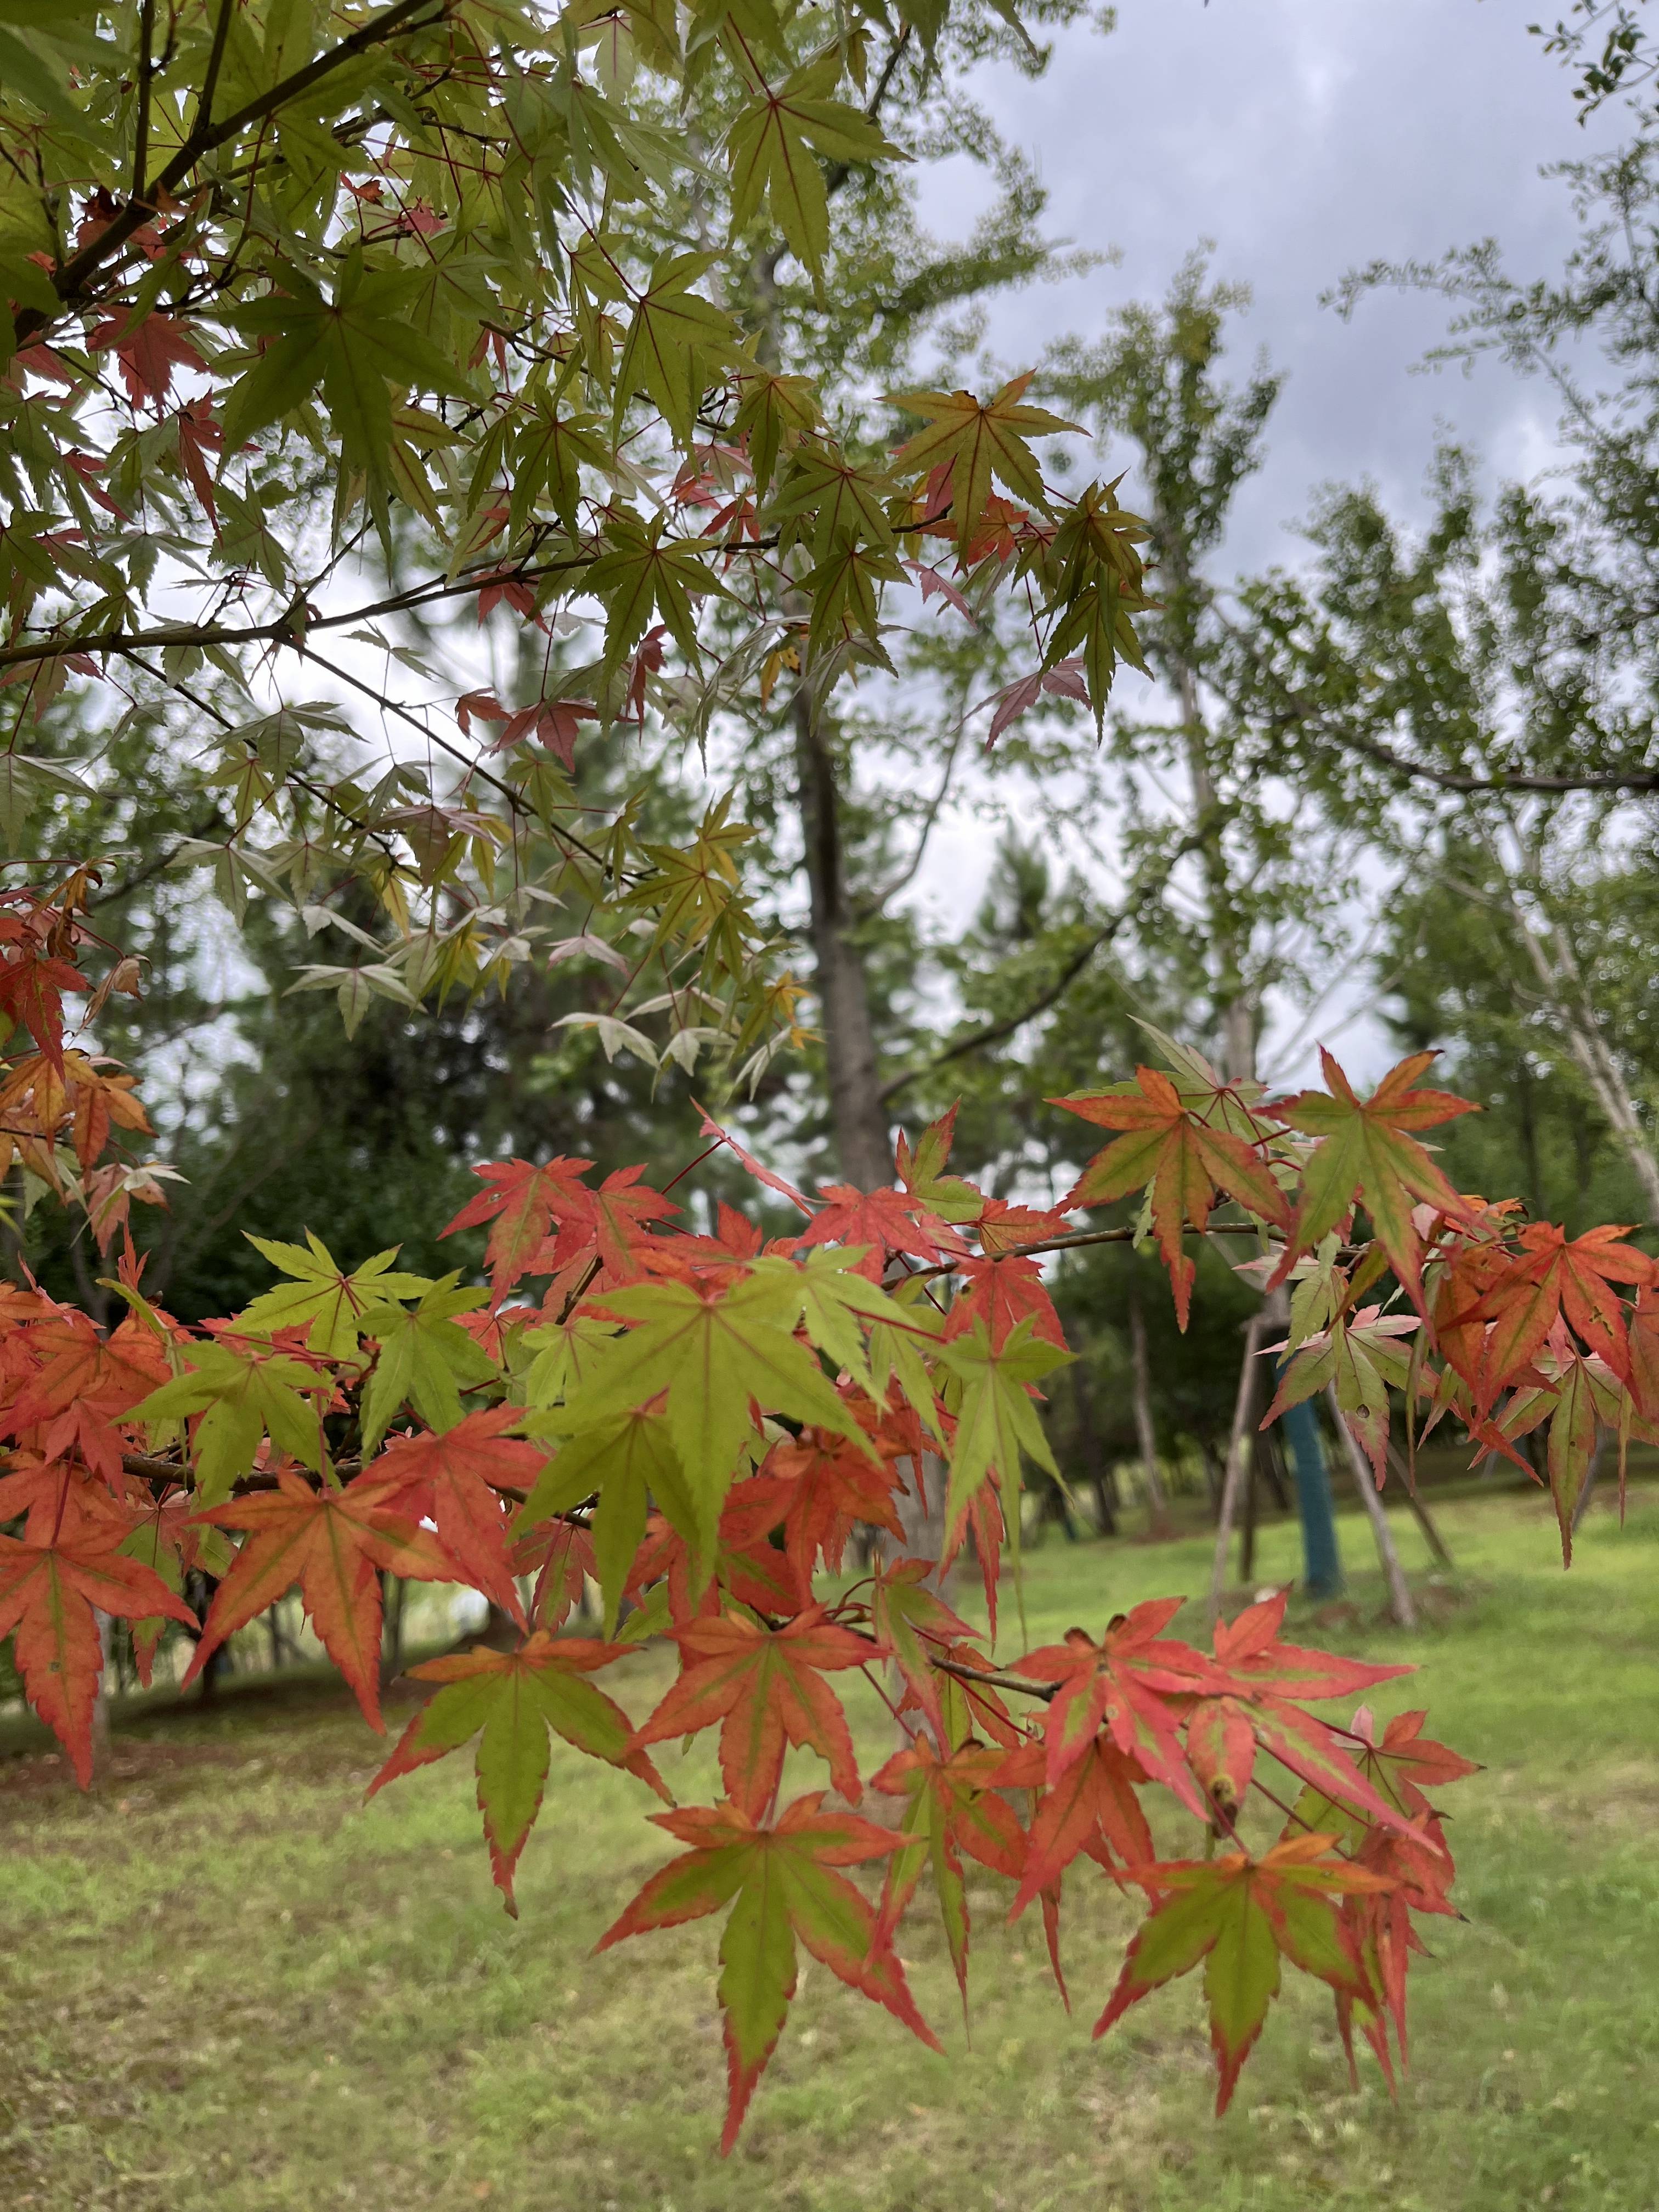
x: 1304, y: 138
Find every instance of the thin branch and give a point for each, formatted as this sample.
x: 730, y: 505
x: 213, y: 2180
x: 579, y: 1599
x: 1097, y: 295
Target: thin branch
x: 292, y: 625
x: 995, y: 1031
x: 995, y: 1681
x: 71, y: 279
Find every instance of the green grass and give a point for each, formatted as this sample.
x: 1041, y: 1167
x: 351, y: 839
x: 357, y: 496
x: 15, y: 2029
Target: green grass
x: 228, y: 1983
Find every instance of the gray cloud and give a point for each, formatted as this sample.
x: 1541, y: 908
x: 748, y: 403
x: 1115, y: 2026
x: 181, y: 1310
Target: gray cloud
x: 1304, y: 138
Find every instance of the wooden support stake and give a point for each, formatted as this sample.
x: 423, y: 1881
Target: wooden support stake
x: 1238, y: 1449
x: 1400, y: 1596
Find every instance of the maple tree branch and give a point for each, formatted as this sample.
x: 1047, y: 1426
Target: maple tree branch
x: 1124, y: 1236
x: 997, y: 1681
x: 288, y: 628
x: 70, y: 281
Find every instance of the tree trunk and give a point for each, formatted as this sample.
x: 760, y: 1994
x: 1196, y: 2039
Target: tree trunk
x: 1272, y: 1467
x: 1568, y: 997
x: 849, y: 1045
x: 100, y: 1701
x: 1237, y: 1459
x: 1215, y: 1470
x: 1158, y: 1504
x: 392, y: 1630
x: 1431, y: 1535
x: 1252, y: 1495
x: 1400, y: 1596
x: 1095, y: 1466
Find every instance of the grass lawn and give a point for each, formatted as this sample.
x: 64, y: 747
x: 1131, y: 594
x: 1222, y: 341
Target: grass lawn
x: 228, y: 1983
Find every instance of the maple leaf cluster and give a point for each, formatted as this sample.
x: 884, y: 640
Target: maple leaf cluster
x: 727, y: 1435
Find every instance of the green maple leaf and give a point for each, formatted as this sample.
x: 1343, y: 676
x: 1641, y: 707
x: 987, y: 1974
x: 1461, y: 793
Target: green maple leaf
x: 922, y: 1172
x: 840, y: 1307
x: 996, y: 1420
x: 358, y: 346
x: 846, y: 592
x: 549, y: 454
x: 643, y: 572
x: 712, y: 1351
x: 1367, y: 1152
x: 773, y: 410
x: 425, y: 1359
x: 515, y: 1698
x: 1095, y: 581
x: 980, y: 440
x: 627, y: 1461
x: 774, y: 145
x: 1240, y: 1916
x: 842, y: 503
x: 322, y: 1297
x: 675, y: 342
x: 782, y: 1885
x: 242, y: 1397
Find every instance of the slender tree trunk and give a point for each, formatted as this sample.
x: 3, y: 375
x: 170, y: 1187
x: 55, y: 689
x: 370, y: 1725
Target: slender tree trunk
x: 1400, y: 1596
x: 1272, y: 1467
x: 100, y: 1747
x: 849, y: 1045
x: 1158, y: 1503
x: 392, y: 1631
x: 1557, y: 967
x: 1252, y: 1493
x: 1095, y: 1465
x: 1215, y: 1470
x: 1237, y: 1459
x: 1420, y: 1514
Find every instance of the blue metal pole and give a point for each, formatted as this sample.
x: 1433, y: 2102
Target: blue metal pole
x: 1321, y: 1564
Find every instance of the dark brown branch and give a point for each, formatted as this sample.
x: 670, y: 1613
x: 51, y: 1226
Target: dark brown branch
x: 995, y: 1032
x: 205, y: 138
x: 288, y: 628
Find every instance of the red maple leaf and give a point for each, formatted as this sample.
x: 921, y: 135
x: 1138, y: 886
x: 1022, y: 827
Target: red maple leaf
x: 148, y: 352
x: 1378, y: 1924
x: 199, y: 435
x: 1552, y: 1275
x: 85, y: 1383
x: 1168, y: 1143
x: 1403, y: 1762
x: 461, y: 1482
x: 1123, y: 1684
x: 888, y: 1220
x: 1002, y: 1293
x: 50, y: 1597
x: 610, y: 1224
x: 331, y: 1543
x: 521, y: 1204
x: 763, y: 1685
x: 1092, y: 1809
x: 824, y: 1487
x: 953, y: 1808
x: 32, y: 986
x: 747, y: 1565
